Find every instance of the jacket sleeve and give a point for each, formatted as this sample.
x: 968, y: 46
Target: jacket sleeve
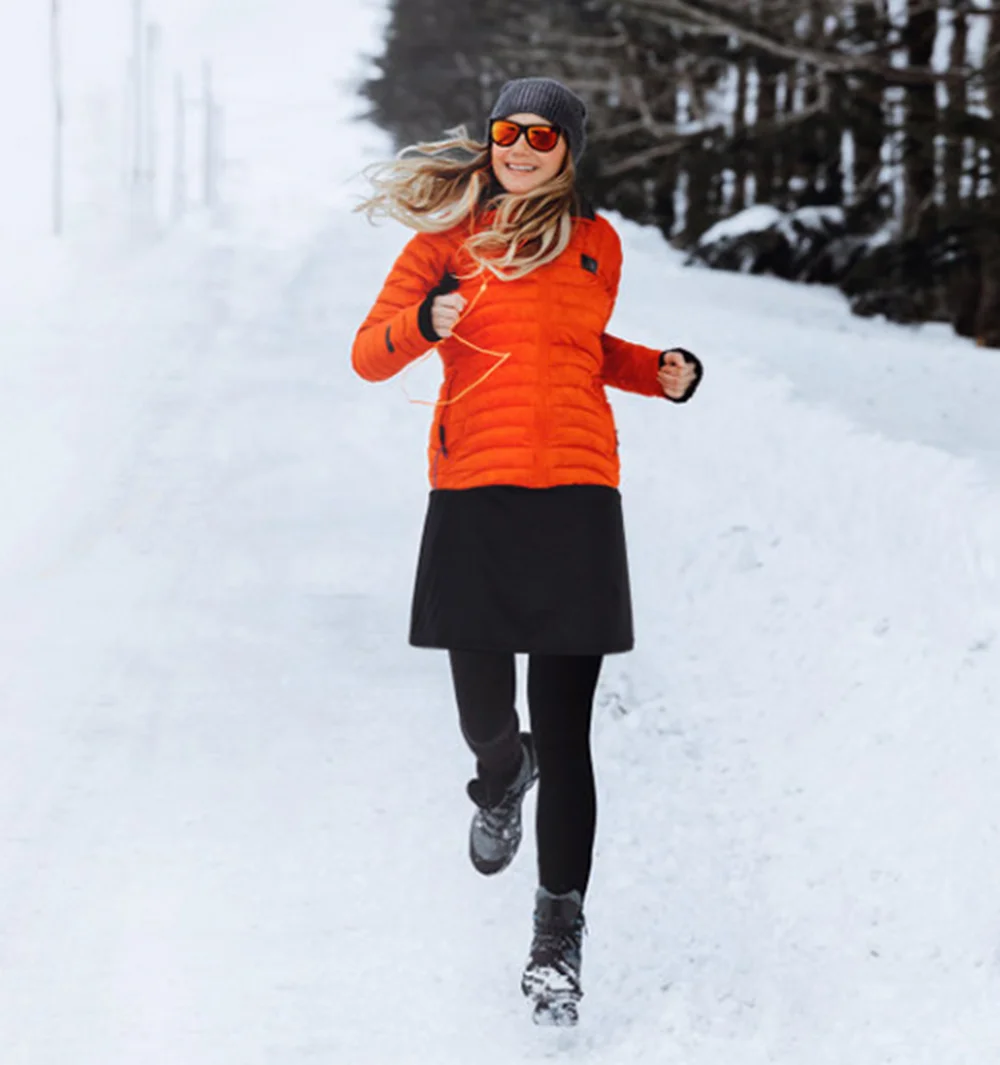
x: 630, y: 367
x: 391, y: 337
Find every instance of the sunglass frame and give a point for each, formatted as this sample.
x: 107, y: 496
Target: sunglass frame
x: 525, y: 131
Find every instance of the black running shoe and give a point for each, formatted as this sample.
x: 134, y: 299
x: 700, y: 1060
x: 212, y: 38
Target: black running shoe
x: 551, y: 978
x: 495, y: 833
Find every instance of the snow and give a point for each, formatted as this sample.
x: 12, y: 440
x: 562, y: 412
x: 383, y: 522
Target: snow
x: 763, y: 217
x: 232, y: 795
x: 753, y: 220
x: 818, y: 217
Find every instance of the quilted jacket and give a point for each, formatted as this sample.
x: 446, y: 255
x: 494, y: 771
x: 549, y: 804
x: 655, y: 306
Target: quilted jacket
x: 523, y: 397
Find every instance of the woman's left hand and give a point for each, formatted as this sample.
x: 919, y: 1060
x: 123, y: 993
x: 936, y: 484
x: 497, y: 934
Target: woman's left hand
x: 676, y: 375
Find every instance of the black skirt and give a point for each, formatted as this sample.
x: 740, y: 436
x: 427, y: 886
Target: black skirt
x: 513, y: 569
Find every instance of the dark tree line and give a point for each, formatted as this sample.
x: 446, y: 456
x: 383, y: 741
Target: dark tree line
x: 702, y: 108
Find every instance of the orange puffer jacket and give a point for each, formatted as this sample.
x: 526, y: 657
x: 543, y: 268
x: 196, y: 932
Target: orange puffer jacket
x: 541, y: 417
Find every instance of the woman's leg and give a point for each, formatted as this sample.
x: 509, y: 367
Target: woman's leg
x: 561, y: 698
x: 485, y: 690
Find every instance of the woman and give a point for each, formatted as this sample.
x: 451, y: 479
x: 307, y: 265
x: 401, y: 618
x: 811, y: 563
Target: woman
x: 513, y: 278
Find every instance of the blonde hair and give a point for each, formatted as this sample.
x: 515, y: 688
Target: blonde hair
x: 433, y: 186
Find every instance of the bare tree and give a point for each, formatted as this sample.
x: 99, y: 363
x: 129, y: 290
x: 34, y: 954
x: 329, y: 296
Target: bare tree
x: 920, y: 122
x: 714, y: 105
x: 953, y: 140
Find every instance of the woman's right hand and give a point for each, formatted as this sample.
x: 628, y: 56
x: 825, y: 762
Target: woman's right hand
x: 445, y: 312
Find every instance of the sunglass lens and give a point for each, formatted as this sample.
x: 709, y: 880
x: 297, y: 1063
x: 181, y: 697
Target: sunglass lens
x: 505, y: 133
x: 543, y: 138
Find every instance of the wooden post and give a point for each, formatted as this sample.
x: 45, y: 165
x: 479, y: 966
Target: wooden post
x: 209, y: 147
x: 58, y: 116
x: 151, y: 43
x: 180, y: 149
x: 137, y: 98
x: 219, y: 141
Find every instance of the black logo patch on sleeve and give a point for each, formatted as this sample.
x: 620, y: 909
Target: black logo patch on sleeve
x: 588, y: 264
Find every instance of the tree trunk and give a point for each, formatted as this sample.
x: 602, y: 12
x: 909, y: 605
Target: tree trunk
x: 766, y: 165
x: 867, y: 121
x: 815, y: 142
x: 698, y: 217
x: 919, y: 124
x: 953, y: 155
x: 988, y: 319
x: 740, y: 197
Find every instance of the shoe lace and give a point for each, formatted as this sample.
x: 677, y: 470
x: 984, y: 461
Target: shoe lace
x: 496, y: 820
x: 554, y: 942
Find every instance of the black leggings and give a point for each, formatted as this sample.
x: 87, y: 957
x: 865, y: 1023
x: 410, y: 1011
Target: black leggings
x: 560, y: 701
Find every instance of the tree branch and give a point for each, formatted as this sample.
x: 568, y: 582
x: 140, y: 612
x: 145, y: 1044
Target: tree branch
x: 679, y: 14
x: 681, y: 140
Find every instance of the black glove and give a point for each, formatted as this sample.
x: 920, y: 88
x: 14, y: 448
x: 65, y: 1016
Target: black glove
x: 691, y: 360
x: 448, y: 283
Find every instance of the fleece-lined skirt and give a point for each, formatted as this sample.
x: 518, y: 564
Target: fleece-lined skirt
x: 507, y: 568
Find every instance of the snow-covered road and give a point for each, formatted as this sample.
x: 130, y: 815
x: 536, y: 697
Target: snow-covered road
x: 232, y: 816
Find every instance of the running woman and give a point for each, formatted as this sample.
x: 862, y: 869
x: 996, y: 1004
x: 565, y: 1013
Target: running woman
x: 512, y: 277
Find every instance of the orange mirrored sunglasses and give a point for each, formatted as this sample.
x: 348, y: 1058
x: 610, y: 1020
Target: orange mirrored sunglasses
x: 505, y: 133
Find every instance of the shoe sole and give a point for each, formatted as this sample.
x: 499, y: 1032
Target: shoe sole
x: 556, y: 1013
x: 552, y: 1009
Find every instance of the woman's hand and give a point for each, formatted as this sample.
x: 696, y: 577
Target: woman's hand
x: 676, y: 375
x: 445, y: 312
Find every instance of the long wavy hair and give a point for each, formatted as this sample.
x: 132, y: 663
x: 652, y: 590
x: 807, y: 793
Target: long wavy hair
x: 433, y: 186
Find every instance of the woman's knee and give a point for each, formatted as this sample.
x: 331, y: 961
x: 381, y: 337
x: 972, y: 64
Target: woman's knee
x: 561, y: 693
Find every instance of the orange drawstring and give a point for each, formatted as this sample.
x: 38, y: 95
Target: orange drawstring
x: 502, y: 356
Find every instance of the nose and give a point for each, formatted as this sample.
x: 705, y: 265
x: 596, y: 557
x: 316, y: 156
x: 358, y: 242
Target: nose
x: 520, y: 149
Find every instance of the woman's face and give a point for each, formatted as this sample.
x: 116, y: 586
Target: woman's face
x: 520, y: 168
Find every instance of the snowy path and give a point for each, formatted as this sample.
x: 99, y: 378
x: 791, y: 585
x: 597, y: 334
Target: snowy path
x: 233, y: 826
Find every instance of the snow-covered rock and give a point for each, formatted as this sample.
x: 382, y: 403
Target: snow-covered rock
x: 764, y: 240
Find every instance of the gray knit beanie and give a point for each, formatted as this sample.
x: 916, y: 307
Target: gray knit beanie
x: 550, y: 99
